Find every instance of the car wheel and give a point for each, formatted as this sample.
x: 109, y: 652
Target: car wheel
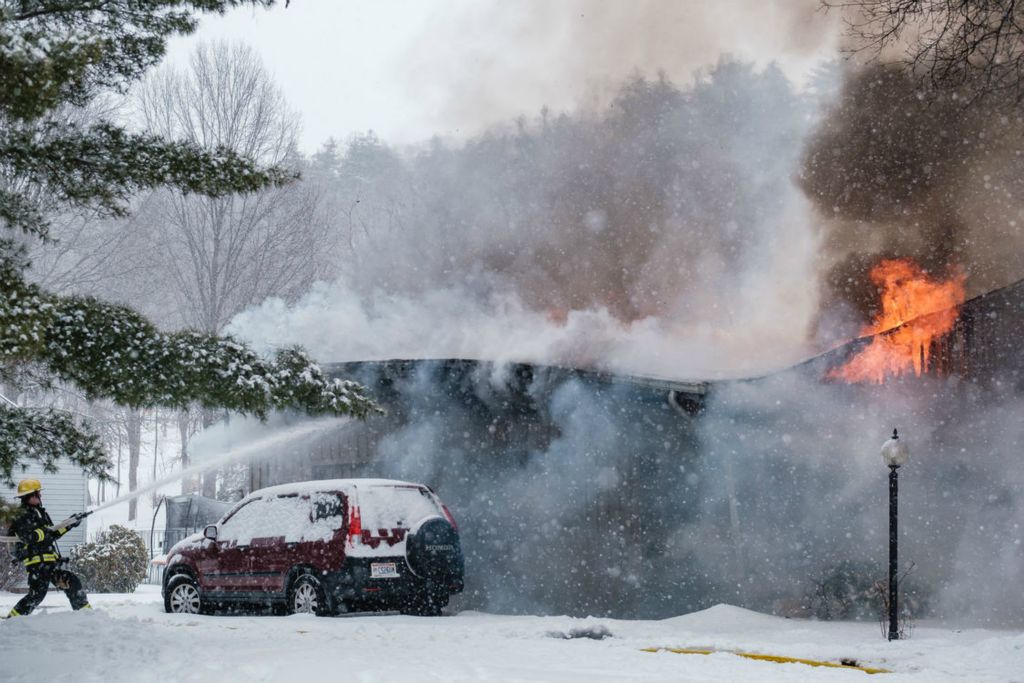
x: 183, y: 596
x: 307, y: 597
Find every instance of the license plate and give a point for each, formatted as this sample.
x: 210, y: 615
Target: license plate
x: 383, y: 570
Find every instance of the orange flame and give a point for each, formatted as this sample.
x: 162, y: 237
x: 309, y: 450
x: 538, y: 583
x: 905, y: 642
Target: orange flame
x: 916, y: 309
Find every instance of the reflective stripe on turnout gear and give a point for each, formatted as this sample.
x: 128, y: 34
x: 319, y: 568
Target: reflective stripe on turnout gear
x: 40, y: 534
x: 36, y: 559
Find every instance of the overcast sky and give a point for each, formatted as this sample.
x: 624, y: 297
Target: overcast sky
x: 409, y: 69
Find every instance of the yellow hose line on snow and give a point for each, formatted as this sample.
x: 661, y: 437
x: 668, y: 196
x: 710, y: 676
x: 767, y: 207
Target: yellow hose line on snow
x: 768, y: 658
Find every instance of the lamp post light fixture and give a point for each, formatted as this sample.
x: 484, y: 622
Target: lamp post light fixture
x: 895, y: 455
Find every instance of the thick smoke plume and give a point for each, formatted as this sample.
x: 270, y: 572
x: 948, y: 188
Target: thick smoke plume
x: 662, y: 235
x: 895, y: 170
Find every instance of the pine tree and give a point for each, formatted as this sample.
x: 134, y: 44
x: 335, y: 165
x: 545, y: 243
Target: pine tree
x: 56, y: 54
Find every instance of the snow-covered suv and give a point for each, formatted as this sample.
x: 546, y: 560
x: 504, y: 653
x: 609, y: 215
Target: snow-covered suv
x: 323, y: 547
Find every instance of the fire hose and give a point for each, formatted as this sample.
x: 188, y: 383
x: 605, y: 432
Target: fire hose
x: 73, y: 521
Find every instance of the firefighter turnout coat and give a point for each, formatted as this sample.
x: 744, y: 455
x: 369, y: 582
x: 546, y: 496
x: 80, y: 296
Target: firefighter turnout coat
x: 37, y: 539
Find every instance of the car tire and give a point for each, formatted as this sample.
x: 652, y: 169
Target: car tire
x: 307, y: 596
x: 183, y: 596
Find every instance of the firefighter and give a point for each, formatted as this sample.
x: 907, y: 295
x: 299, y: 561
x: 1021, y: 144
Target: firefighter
x: 37, y: 549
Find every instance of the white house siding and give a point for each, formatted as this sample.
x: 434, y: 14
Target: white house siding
x: 64, y: 494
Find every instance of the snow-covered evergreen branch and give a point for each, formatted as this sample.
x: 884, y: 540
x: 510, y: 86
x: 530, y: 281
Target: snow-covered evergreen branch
x: 56, y: 53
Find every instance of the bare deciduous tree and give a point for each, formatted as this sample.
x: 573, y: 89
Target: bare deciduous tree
x: 961, y: 44
x: 224, y: 254
x: 87, y: 254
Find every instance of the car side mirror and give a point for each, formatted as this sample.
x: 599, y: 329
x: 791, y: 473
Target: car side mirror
x: 210, y: 532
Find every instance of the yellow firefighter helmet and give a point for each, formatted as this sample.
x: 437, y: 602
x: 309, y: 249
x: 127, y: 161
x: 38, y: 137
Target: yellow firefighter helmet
x: 27, y: 486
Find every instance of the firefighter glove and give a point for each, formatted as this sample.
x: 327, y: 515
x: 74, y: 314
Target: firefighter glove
x: 67, y: 524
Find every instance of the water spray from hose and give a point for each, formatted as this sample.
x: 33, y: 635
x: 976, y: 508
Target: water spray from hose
x: 303, y: 430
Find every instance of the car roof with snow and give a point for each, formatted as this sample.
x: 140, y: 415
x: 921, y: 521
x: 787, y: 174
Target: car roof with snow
x: 316, y: 486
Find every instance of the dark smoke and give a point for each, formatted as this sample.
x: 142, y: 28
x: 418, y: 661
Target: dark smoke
x: 899, y: 171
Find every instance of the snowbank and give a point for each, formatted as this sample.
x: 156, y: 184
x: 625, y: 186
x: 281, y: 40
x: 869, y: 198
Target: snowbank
x: 130, y: 638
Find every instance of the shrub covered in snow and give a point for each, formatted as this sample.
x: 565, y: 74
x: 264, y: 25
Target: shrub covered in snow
x: 845, y: 591
x: 115, y: 563
x: 860, y: 591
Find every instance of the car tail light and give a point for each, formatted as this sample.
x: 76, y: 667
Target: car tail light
x: 355, y: 524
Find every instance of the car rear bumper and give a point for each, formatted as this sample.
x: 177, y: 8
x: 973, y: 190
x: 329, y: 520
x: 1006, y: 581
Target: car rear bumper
x: 391, y: 582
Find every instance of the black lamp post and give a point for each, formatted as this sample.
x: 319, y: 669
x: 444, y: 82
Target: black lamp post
x: 895, y: 454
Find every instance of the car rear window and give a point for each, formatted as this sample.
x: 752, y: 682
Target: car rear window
x: 386, y: 507
x: 329, y: 507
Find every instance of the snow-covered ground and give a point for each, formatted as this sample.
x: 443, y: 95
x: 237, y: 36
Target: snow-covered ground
x: 130, y: 638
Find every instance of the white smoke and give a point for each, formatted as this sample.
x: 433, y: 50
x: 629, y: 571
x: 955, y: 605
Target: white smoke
x: 725, y: 338
x: 667, y: 239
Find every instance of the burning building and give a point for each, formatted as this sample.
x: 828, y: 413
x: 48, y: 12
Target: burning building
x: 638, y: 241
x: 807, y: 472
x: 924, y: 327
x: 584, y: 492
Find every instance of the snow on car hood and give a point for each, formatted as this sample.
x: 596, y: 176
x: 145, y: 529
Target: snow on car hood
x: 187, y: 543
